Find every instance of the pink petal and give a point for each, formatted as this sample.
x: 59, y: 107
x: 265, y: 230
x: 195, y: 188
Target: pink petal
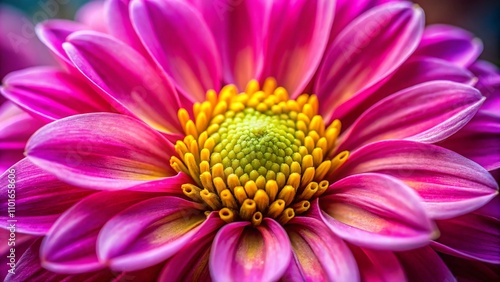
x: 120, y: 25
x: 29, y: 268
x: 180, y: 42
x: 449, y: 184
x: 94, y: 151
x: 428, y: 112
x: 297, y: 34
x: 471, y: 236
x: 478, y: 140
x: 346, y: 11
x: 53, y: 34
x: 318, y: 253
x: 152, y: 231
x: 51, y: 94
x: 424, y: 265
x: 93, y: 15
x: 390, y: 34
x: 16, y: 126
x: 191, y: 262
x: 70, y: 245
x: 23, y: 242
x: 238, y: 27
x: 248, y: 253
x: 127, y: 80
x: 451, y: 44
x: 412, y: 72
x: 9, y: 157
x: 40, y: 198
x: 375, y: 211
x: 378, y: 265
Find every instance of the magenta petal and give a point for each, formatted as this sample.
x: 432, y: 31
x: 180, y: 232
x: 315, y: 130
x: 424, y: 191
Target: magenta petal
x: 16, y: 126
x: 70, y: 246
x: 181, y: 43
x: 120, y: 25
x: 478, y: 140
x: 471, y: 236
x: 451, y: 44
x: 449, y: 184
x: 247, y: 253
x: 432, y: 112
x: 53, y: 34
x: 51, y: 94
x: 152, y: 231
x: 318, y: 253
x: 375, y: 211
x: 238, y: 27
x: 29, y: 268
x: 412, y: 72
x: 127, y: 79
x: 346, y: 11
x: 297, y: 37
x: 191, y: 262
x: 424, y: 265
x: 40, y: 198
x: 378, y: 265
x: 358, y: 60
x: 94, y: 151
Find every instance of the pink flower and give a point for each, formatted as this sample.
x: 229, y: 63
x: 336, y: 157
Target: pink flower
x: 179, y: 145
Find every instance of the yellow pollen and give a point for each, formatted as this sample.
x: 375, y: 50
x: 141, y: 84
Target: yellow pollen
x: 257, y: 153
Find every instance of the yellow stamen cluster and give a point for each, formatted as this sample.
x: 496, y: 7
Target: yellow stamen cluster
x: 256, y: 153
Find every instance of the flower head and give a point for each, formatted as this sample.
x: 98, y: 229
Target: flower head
x: 186, y: 146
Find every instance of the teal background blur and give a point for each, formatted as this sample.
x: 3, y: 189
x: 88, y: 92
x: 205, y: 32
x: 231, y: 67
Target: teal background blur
x: 481, y: 17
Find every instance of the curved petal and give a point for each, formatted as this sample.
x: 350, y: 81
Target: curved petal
x: 16, y: 126
x: 94, y: 151
x: 357, y: 61
x: 152, y: 231
x: 413, y: 72
x: 120, y: 24
x: 29, y: 268
x: 51, y: 94
x: 70, y: 245
x: 449, y: 184
x: 38, y: 197
x: 249, y: 253
x: 238, y: 28
x: 451, y: 44
x: 53, y: 34
x: 428, y: 112
x: 489, y: 84
x: 191, y: 262
x: 471, y: 236
x: 297, y: 37
x: 93, y: 15
x: 375, y: 211
x: 127, y: 80
x: 471, y: 270
x: 346, y: 12
x: 424, y: 265
x: 318, y: 253
x: 479, y: 140
x: 181, y: 43
x: 378, y: 265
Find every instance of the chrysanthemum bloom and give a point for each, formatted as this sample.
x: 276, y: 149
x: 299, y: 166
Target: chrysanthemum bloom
x: 211, y: 163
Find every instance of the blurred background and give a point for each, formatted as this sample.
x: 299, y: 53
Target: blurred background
x: 481, y: 17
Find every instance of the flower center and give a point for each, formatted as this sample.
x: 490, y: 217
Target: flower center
x: 257, y: 153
